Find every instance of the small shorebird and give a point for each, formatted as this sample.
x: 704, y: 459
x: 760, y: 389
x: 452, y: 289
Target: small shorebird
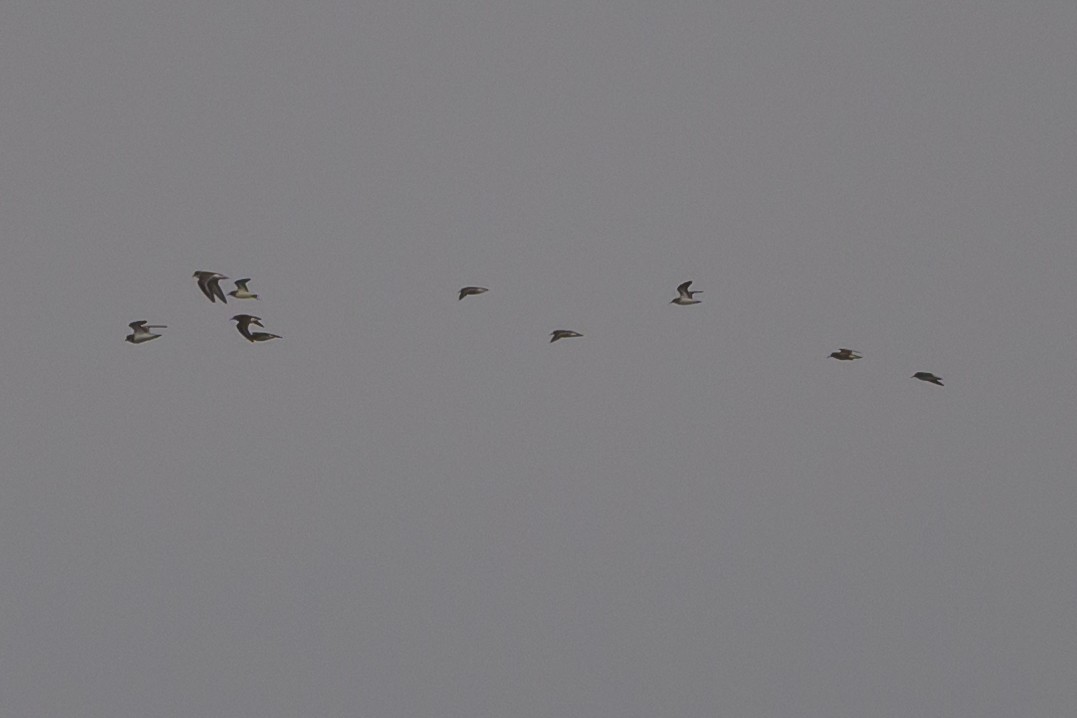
x: 243, y: 324
x: 241, y: 291
x: 927, y: 376
x: 686, y: 297
x: 471, y: 291
x: 210, y: 284
x: 562, y: 334
x: 847, y: 355
x: 142, y: 332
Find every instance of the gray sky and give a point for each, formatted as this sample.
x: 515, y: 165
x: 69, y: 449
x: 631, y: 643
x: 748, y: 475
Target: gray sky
x: 416, y: 506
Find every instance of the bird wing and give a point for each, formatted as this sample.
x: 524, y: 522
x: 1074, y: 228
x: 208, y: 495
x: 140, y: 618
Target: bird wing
x: 214, y: 285
x: 683, y: 289
x: 204, y: 286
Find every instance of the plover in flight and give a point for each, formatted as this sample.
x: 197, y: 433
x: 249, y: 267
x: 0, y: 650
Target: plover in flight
x: 927, y: 376
x: 243, y: 324
x: 847, y: 355
x: 241, y: 291
x: 562, y: 334
x: 142, y: 332
x: 471, y: 291
x: 686, y: 297
x: 210, y: 284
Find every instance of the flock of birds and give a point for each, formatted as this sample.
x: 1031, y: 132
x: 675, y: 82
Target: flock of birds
x: 210, y: 284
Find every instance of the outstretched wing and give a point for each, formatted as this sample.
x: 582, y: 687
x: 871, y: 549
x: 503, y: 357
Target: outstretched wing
x: 203, y: 284
x: 214, y: 285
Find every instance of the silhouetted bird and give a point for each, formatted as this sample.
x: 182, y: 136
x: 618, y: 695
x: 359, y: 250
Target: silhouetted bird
x: 562, y: 334
x: 685, y: 297
x: 927, y: 376
x: 243, y: 324
x: 241, y: 291
x: 210, y: 284
x: 471, y: 291
x: 847, y: 355
x: 142, y: 332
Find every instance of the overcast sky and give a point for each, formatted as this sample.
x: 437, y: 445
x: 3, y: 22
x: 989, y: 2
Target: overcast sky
x: 416, y: 506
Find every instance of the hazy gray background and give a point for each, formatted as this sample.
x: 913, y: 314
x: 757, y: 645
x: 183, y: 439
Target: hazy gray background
x: 414, y: 506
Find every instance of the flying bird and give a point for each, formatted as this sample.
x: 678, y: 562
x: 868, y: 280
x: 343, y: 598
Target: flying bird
x: 847, y: 355
x: 471, y: 291
x: 927, y: 376
x: 562, y: 334
x: 210, y: 284
x: 241, y: 291
x: 243, y: 324
x: 142, y: 332
x: 686, y: 297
